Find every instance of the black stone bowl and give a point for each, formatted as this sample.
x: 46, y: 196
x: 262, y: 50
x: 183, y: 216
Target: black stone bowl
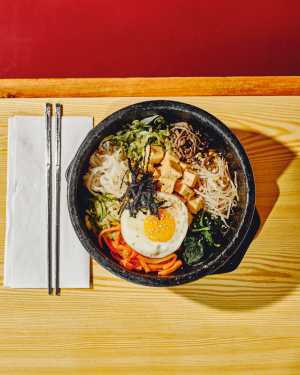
x: 220, y: 138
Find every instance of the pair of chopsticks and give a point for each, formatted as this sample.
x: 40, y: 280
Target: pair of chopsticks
x: 48, y: 117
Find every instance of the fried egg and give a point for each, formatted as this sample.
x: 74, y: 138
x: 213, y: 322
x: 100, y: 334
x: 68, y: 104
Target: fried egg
x: 156, y: 237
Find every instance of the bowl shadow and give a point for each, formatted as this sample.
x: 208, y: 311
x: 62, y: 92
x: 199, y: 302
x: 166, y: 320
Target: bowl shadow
x: 260, y: 280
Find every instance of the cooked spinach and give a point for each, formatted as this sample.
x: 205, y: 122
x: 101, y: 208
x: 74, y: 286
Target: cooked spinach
x: 193, y: 250
x: 201, y: 238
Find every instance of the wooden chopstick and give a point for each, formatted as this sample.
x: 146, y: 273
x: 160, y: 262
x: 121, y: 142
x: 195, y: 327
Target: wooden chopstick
x: 57, y: 189
x: 48, y: 115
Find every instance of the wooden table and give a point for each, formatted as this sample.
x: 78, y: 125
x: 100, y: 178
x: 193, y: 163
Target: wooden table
x: 245, y: 322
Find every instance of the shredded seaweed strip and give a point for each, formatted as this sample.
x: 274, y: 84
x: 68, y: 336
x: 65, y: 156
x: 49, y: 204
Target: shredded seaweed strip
x: 140, y: 194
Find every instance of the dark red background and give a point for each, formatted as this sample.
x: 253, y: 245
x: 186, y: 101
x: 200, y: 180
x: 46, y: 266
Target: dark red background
x: 90, y: 38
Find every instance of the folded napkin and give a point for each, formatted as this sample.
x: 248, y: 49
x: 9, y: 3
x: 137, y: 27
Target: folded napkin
x: 25, y: 264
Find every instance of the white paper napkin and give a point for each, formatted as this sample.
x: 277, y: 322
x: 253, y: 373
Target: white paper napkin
x: 25, y: 264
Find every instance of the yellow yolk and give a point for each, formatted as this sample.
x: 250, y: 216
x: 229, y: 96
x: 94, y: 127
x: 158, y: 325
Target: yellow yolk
x: 159, y: 229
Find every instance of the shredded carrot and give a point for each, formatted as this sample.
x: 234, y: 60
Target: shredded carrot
x: 114, y: 252
x: 155, y: 267
x: 144, y: 265
x: 108, y: 230
x: 124, y: 247
x: 118, y: 237
x: 125, y: 250
x: 116, y: 257
x: 132, y: 260
x: 133, y: 255
x: 115, y: 245
x: 175, y: 266
x: 111, y: 229
x: 127, y: 264
x: 165, y: 266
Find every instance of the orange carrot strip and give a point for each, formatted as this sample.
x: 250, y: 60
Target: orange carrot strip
x: 126, y: 264
x: 144, y: 265
x: 175, y: 266
x: 111, y: 229
x: 158, y: 260
x: 134, y: 254
x: 165, y: 266
x: 117, y: 252
x: 114, y: 243
x: 125, y: 249
x: 155, y: 267
x: 118, y: 237
x: 108, y: 230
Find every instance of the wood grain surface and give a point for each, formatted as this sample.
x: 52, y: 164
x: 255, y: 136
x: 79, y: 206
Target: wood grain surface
x: 164, y: 86
x: 244, y: 322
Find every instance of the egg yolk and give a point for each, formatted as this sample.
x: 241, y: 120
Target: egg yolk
x: 159, y: 229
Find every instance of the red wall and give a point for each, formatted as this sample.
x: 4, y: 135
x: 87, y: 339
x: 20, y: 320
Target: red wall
x: 69, y: 38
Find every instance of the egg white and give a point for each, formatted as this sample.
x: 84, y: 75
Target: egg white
x: 133, y: 229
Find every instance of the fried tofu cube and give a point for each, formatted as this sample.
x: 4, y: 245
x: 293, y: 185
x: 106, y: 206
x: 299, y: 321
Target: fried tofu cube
x: 189, y: 178
x: 171, y: 169
x: 195, y: 205
x: 155, y: 154
x: 183, y: 165
x: 182, y: 189
x: 169, y: 155
x: 167, y: 184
